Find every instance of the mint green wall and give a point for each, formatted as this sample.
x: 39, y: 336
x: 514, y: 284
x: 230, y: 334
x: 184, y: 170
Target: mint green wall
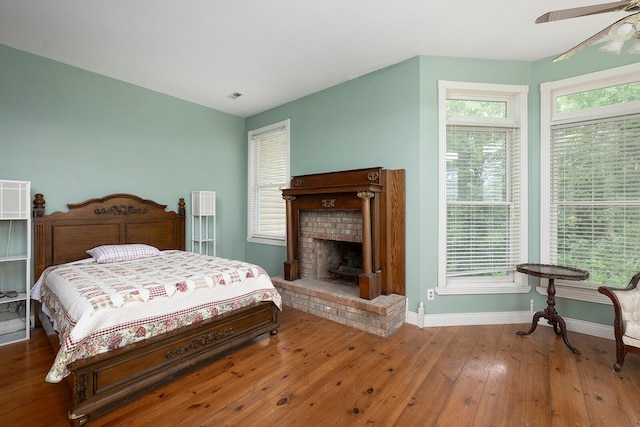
x: 67, y: 130
x: 77, y: 135
x: 389, y: 118
x: 366, y: 122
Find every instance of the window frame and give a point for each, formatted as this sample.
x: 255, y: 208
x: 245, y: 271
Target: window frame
x: 549, y: 92
x: 252, y: 136
x: 516, y: 98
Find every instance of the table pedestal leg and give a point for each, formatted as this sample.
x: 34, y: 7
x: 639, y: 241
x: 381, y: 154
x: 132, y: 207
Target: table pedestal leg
x: 552, y: 316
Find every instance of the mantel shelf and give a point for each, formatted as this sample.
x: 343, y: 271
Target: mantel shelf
x: 333, y: 189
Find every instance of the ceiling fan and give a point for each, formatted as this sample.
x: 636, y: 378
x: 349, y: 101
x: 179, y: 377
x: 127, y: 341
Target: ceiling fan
x: 614, y: 35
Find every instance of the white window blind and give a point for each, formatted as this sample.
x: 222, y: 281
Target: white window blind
x: 483, y: 200
x: 595, y: 197
x: 268, y: 174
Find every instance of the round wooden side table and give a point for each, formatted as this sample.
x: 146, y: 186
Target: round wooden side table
x: 552, y: 272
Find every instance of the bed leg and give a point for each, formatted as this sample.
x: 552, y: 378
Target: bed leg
x: 273, y: 332
x: 77, y: 420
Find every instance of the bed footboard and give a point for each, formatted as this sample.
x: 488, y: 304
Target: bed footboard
x: 107, y: 381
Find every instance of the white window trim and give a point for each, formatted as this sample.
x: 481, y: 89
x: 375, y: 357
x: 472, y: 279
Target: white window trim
x: 517, y: 283
x: 286, y: 124
x: 548, y: 93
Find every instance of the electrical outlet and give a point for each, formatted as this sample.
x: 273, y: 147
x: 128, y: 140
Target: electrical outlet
x: 431, y: 294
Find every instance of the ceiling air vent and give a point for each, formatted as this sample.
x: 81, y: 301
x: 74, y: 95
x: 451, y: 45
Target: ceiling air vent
x: 234, y: 95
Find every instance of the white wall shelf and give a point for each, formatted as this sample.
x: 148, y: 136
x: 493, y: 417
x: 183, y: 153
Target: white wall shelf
x: 15, y: 260
x: 203, y: 222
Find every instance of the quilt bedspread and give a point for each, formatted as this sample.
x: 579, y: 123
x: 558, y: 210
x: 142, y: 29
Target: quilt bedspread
x: 100, y: 307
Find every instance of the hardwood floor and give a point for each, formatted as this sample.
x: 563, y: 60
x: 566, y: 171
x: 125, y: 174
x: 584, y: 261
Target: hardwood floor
x: 316, y: 372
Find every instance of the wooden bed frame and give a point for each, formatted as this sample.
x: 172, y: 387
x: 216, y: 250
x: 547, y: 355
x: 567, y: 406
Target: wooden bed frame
x: 106, y: 381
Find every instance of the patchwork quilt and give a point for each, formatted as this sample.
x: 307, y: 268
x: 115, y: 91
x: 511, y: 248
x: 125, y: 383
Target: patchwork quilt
x: 99, y: 307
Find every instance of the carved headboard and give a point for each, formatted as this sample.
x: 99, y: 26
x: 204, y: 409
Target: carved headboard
x: 115, y: 219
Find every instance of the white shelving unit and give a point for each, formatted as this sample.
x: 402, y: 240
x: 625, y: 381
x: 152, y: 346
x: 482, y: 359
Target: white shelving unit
x: 203, y: 222
x: 15, y: 260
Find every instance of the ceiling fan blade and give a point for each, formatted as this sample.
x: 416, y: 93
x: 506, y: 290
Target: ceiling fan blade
x: 593, y: 39
x: 575, y: 12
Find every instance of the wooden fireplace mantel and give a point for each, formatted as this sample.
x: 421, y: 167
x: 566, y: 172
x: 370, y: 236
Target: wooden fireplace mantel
x: 379, y: 195
x: 332, y: 189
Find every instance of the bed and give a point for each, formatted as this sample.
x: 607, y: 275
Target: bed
x: 103, y: 381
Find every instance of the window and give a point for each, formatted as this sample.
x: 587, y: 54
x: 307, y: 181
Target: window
x: 591, y: 178
x: 268, y: 174
x: 482, y: 233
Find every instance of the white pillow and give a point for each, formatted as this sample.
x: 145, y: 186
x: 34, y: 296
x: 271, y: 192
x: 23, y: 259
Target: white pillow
x: 114, y: 253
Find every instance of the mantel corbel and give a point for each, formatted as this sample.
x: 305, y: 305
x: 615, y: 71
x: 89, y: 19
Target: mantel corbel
x: 365, y: 194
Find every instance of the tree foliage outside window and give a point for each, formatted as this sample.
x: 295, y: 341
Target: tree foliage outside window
x: 482, y: 208
x: 474, y: 108
x: 597, y: 202
x: 598, y: 98
x: 478, y: 213
x: 594, y: 186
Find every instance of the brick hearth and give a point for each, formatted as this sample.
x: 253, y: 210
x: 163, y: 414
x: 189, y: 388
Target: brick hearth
x: 341, y: 303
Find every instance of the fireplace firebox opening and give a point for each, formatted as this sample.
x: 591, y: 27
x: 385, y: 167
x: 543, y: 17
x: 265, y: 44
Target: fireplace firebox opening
x: 338, y: 261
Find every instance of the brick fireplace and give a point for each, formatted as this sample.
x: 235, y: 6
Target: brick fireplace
x: 345, y: 248
x: 329, y: 240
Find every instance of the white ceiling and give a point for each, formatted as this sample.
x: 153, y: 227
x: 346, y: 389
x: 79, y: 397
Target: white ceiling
x: 276, y: 51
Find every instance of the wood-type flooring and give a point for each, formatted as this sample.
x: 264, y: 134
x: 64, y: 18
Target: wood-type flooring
x: 319, y: 373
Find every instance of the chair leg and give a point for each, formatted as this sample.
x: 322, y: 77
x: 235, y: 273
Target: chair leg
x: 620, y: 353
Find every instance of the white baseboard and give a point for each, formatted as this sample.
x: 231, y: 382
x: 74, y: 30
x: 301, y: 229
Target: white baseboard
x: 507, y: 317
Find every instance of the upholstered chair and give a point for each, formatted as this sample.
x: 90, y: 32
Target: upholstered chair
x: 626, y: 305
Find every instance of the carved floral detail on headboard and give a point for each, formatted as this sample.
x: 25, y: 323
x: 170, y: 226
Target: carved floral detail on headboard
x: 120, y: 210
